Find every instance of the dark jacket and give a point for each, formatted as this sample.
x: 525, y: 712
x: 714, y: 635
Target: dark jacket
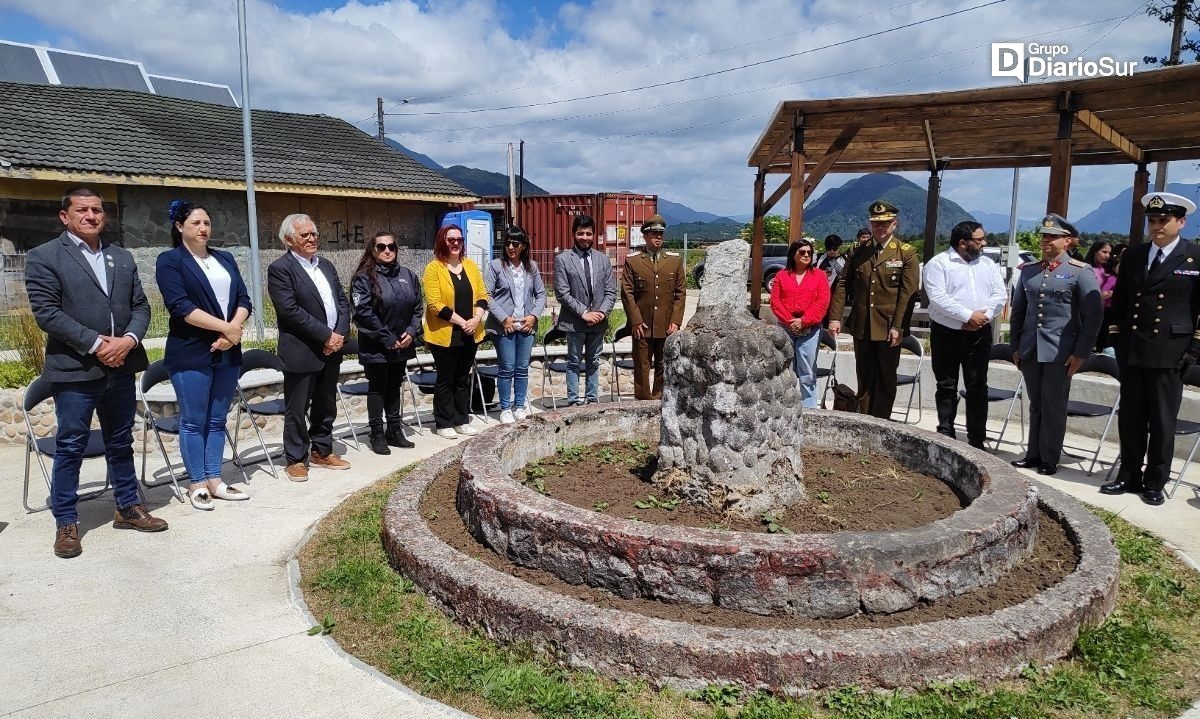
x: 73, y: 310
x: 185, y: 288
x: 1154, y: 315
x: 300, y: 313
x: 382, y: 319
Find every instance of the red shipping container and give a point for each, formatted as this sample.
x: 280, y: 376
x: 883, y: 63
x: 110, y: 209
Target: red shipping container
x: 547, y: 219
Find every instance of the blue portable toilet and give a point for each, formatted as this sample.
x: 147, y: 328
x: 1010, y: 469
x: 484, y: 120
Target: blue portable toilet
x: 477, y: 229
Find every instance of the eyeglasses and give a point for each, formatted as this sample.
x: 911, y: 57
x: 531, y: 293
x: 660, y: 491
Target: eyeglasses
x: 385, y: 247
x: 806, y: 253
x: 309, y: 235
x: 513, y: 243
x: 453, y: 239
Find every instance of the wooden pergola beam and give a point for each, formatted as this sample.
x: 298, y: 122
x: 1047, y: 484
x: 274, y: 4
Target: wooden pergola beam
x: 830, y: 157
x: 1107, y: 133
x: 779, y: 192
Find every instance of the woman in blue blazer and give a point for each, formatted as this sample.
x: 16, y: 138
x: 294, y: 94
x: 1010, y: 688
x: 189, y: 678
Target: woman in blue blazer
x: 518, y: 298
x: 207, y: 301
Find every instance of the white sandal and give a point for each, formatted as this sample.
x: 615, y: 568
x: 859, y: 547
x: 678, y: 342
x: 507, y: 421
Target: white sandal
x: 201, y: 499
x: 232, y: 494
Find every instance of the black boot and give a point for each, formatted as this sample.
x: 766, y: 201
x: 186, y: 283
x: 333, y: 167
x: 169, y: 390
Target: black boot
x: 396, y: 438
x: 379, y: 443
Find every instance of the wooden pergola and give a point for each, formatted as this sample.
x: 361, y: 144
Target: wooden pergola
x: 1147, y: 117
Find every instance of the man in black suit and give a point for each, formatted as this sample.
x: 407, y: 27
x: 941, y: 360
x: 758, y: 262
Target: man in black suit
x: 1155, y: 307
x: 87, y: 297
x: 314, y: 318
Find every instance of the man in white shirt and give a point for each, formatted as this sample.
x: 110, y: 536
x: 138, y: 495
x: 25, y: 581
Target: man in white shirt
x: 965, y: 290
x: 314, y: 318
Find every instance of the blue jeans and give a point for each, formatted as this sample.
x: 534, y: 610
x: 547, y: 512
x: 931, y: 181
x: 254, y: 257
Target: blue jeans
x: 204, y: 396
x: 804, y: 364
x: 512, y: 352
x: 112, y: 400
x: 583, y: 353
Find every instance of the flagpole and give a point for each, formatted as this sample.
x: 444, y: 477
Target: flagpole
x: 256, y: 294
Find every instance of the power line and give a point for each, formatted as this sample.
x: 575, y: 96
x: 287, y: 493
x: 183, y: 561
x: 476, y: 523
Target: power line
x: 702, y: 75
x: 672, y: 61
x: 707, y: 98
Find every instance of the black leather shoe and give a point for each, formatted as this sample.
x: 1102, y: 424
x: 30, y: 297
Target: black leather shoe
x: 978, y: 445
x: 1120, y: 485
x: 1047, y: 469
x: 1027, y: 463
x: 396, y: 438
x: 1153, y: 497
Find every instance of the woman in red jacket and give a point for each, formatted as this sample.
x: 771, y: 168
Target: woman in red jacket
x: 800, y: 298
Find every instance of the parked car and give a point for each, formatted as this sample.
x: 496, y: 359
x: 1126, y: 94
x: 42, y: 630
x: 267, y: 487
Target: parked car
x: 774, y: 260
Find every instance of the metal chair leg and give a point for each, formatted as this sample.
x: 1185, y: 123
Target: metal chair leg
x: 1104, y: 435
x: 1183, y: 469
x: 349, y: 417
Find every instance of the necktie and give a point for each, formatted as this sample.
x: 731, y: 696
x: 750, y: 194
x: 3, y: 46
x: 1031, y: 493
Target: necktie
x: 1158, y: 258
x: 587, y: 277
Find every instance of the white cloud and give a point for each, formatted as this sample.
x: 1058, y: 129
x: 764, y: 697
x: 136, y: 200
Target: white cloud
x: 337, y: 61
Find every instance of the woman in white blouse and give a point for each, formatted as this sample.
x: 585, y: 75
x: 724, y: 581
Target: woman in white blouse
x: 518, y: 297
x: 208, y: 302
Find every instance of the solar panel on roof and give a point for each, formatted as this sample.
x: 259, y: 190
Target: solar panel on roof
x: 88, y: 71
x: 19, y: 63
x: 190, y: 90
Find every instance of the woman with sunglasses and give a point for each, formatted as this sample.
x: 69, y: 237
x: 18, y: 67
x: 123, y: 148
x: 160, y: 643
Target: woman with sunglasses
x: 518, y: 297
x: 387, y: 309
x: 799, y: 299
x: 455, y: 303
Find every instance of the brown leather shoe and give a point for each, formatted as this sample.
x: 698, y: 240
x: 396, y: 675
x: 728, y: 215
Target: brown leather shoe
x: 328, y: 461
x: 66, y: 541
x: 297, y: 472
x: 136, y: 517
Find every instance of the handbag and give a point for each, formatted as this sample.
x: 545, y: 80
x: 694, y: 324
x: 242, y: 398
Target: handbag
x: 844, y: 398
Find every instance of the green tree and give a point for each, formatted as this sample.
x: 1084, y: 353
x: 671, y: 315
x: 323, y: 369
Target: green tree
x: 1177, y: 13
x: 775, y: 229
x: 1030, y: 239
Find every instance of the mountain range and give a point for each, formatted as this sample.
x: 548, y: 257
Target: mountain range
x: 839, y: 211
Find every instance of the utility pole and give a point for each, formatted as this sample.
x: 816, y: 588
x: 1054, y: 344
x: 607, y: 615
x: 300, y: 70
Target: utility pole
x: 379, y: 118
x: 1178, y: 14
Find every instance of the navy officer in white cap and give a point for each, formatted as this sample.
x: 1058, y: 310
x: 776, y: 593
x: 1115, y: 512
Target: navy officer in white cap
x: 1155, y: 307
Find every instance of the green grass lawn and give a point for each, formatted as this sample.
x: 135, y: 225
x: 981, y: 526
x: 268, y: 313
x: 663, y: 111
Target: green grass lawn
x: 1142, y: 662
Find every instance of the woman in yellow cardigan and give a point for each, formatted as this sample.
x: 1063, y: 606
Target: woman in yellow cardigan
x: 455, y: 304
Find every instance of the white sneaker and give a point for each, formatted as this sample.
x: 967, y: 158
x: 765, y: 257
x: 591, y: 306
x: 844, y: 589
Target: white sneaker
x: 447, y: 433
x: 466, y: 429
x: 506, y: 417
x: 520, y: 413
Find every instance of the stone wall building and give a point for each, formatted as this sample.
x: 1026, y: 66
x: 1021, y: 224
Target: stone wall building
x: 140, y: 151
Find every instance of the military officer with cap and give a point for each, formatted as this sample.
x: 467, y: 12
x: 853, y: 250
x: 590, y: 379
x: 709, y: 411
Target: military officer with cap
x: 881, y: 277
x: 1155, y: 306
x: 653, y: 291
x: 1056, y: 315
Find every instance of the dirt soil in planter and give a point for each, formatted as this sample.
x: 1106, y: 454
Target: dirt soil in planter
x: 1054, y: 557
x: 846, y: 492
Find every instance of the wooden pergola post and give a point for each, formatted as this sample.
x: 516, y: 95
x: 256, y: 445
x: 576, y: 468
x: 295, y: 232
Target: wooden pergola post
x: 756, y: 241
x: 933, y: 195
x: 1137, y: 219
x: 1059, y: 192
x: 796, y: 209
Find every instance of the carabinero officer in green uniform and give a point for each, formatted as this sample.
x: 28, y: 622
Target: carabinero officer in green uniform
x: 1155, y: 307
x: 654, y: 292
x: 1056, y: 315
x: 881, y: 277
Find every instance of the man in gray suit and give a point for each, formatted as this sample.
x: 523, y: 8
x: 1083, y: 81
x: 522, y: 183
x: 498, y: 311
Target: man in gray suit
x: 87, y: 297
x: 587, y: 291
x: 1056, y: 315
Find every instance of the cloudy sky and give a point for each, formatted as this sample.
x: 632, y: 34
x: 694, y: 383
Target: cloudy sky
x: 570, y: 78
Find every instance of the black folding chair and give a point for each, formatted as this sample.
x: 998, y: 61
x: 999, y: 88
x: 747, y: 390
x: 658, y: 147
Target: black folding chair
x: 618, y: 364
x: 1098, y: 364
x: 1183, y: 428
x: 358, y: 388
x: 256, y: 359
x: 37, y: 392
x: 827, y: 341
x: 559, y: 366
x: 912, y: 345
x: 1002, y: 352
x: 153, y: 376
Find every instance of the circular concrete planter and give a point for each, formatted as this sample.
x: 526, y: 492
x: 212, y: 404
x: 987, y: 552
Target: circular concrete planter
x: 623, y: 644
x: 814, y: 575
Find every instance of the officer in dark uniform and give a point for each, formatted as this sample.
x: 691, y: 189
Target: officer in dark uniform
x: 653, y: 291
x: 1056, y: 315
x: 881, y: 278
x: 1154, y: 312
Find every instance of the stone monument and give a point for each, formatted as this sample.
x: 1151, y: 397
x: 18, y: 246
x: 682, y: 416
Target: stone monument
x: 731, y: 417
